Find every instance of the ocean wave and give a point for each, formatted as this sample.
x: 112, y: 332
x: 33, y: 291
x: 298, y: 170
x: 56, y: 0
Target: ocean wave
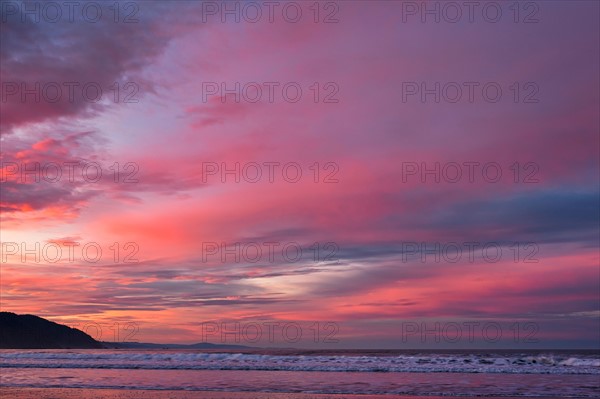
x: 440, y: 363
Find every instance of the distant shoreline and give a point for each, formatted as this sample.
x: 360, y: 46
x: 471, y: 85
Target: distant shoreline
x: 322, y: 352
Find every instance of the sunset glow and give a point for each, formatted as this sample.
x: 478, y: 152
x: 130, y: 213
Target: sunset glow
x: 378, y: 145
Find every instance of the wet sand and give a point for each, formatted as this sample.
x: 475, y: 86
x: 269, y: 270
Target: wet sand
x: 77, y: 393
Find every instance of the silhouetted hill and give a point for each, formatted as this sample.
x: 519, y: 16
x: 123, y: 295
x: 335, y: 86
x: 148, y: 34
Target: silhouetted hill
x: 32, y: 332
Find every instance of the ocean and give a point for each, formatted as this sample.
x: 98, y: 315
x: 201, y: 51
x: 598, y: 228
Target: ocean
x: 419, y: 373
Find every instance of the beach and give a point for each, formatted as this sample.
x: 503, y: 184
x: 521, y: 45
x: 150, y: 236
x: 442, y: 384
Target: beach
x: 76, y: 393
x: 190, y: 374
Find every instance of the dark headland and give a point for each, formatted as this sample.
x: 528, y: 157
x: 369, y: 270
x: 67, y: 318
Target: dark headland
x: 32, y: 332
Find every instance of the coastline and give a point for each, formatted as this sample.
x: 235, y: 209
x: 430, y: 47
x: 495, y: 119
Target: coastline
x: 85, y: 393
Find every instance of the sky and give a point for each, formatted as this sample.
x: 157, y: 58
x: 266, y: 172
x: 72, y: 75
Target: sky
x: 322, y: 175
